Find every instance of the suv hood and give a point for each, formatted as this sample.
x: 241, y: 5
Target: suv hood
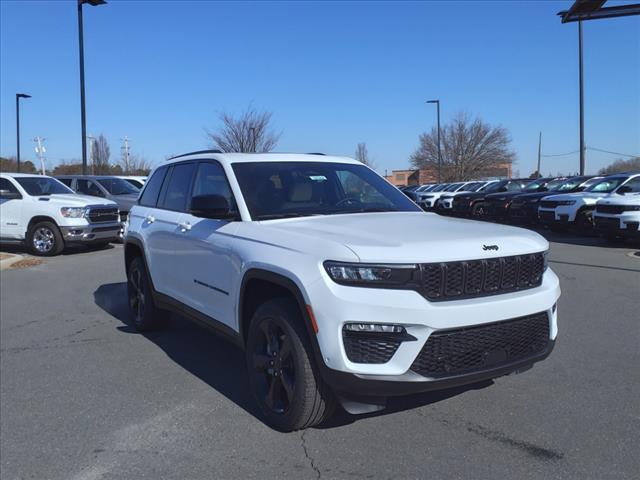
x: 586, y: 198
x: 125, y: 202
x: 411, y: 237
x: 626, y: 199
x: 73, y: 200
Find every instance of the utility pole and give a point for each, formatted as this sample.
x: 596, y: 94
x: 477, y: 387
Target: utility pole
x: 582, y: 149
x: 437, y: 102
x: 40, y: 151
x: 92, y: 139
x: 539, y: 154
x: 125, y: 154
x: 18, y: 97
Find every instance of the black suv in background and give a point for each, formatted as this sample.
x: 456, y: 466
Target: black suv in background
x: 496, y: 205
x: 472, y: 204
x: 524, y: 207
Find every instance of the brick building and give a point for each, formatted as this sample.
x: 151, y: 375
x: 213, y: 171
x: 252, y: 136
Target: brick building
x: 401, y: 178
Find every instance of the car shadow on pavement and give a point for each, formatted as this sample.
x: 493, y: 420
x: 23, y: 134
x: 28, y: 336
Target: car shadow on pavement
x: 221, y: 364
x: 70, y: 250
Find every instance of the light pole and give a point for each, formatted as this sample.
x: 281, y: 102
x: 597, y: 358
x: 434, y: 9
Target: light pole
x: 437, y: 102
x: 18, y: 97
x: 93, y: 3
x: 580, y: 62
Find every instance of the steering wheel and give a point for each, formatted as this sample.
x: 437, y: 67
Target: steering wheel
x: 349, y: 201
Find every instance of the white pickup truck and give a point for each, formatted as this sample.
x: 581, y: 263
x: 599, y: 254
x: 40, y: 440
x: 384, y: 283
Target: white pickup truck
x: 46, y: 215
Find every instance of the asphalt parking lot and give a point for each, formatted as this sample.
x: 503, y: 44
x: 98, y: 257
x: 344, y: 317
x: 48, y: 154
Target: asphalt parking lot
x: 82, y: 396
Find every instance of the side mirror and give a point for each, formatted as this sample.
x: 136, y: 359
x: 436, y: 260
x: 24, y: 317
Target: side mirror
x: 211, y: 206
x: 580, y: 189
x: 502, y: 189
x: 624, y: 189
x: 9, y: 195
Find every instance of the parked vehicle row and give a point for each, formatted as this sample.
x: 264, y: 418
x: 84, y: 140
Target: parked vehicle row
x: 582, y: 203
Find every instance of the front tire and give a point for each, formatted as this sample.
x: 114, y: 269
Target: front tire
x: 283, y: 376
x: 144, y: 314
x: 44, y: 239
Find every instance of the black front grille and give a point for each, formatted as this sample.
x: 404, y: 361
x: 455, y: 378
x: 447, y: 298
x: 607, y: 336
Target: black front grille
x: 603, y: 223
x: 549, y: 203
x: 610, y: 209
x: 547, y: 216
x: 467, y: 350
x: 369, y: 349
x: 103, y: 215
x: 478, y: 278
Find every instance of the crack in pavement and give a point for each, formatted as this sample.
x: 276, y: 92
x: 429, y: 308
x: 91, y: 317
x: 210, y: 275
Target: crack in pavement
x: 306, y: 454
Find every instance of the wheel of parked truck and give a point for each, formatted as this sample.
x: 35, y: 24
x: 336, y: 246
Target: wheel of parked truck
x: 283, y: 376
x: 44, y: 239
x: 144, y: 314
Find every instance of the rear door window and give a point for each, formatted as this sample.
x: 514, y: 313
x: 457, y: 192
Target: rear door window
x: 177, y: 187
x: 152, y: 188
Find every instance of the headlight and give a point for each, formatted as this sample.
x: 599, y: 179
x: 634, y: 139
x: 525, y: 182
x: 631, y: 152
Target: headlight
x: 565, y: 202
x: 72, y: 212
x: 360, y: 274
x: 631, y: 208
x: 535, y: 200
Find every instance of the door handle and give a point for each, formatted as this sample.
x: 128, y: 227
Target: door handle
x: 185, y: 227
x: 150, y: 218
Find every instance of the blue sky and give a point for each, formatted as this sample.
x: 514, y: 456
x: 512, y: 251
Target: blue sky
x: 334, y: 74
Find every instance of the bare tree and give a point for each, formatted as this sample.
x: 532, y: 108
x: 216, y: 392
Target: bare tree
x: 362, y: 155
x: 100, y: 153
x: 249, y: 132
x: 137, y: 165
x: 621, y: 165
x: 470, y: 149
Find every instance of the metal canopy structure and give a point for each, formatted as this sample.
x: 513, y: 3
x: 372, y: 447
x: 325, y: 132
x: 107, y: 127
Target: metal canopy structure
x: 594, y: 10
x: 591, y: 10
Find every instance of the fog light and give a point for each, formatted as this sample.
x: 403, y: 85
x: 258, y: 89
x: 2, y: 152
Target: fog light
x: 373, y: 328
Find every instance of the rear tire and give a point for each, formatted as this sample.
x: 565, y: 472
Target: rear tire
x: 282, y: 373
x: 144, y: 314
x: 44, y: 239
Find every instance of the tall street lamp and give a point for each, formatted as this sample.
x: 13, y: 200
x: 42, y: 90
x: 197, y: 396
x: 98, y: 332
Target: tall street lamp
x: 437, y: 102
x: 18, y: 97
x: 93, y: 3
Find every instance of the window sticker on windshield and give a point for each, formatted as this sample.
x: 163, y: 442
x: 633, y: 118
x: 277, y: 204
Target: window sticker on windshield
x: 318, y: 178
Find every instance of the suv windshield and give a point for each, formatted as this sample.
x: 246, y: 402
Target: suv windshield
x: 118, y: 186
x: 606, y: 185
x: 36, y: 186
x: 297, y: 189
x: 535, y: 186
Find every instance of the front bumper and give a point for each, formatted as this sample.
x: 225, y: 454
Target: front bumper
x: 623, y: 225
x: 358, y: 385
x: 562, y: 215
x: 91, y: 233
x: 334, y: 305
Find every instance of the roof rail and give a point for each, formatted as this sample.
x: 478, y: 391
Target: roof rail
x: 195, y: 153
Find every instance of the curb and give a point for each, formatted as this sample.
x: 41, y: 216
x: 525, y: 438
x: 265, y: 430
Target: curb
x: 7, y: 262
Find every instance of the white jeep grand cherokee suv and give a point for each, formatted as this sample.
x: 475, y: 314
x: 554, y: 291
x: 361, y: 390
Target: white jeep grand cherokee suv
x: 46, y: 215
x: 335, y: 284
